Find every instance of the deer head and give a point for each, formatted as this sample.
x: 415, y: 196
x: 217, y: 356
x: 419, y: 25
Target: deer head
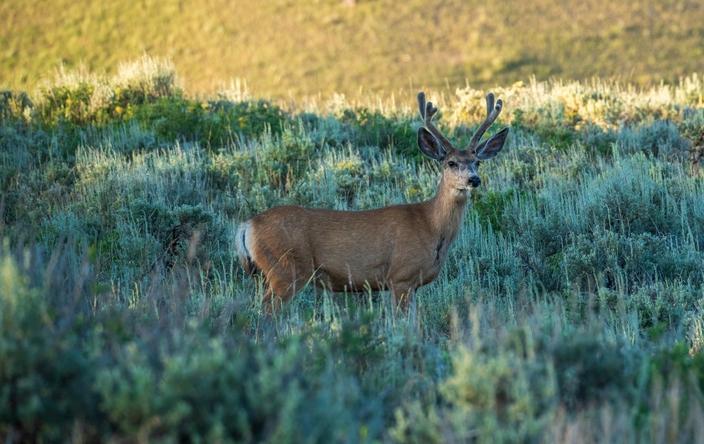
x: 460, y: 167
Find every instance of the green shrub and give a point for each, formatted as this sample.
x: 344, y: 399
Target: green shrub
x: 659, y: 139
x: 490, y: 207
x: 417, y: 425
x: 15, y: 106
x: 589, y: 370
x: 504, y: 397
x: 251, y: 396
x: 679, y: 360
x: 250, y: 118
x: 373, y: 128
x: 286, y: 157
x: 143, y: 81
x: 79, y: 98
x: 69, y: 103
x: 45, y: 375
x: 212, y: 123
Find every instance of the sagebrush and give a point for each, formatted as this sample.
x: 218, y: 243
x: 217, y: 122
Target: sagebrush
x: 570, y: 308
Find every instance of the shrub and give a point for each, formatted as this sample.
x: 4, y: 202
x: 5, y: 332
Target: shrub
x: 250, y: 118
x: 212, y: 123
x: 15, y: 106
x: 45, y: 375
x: 676, y: 361
x: 490, y: 207
x: 80, y: 98
x: 251, y: 396
x: 373, y: 128
x: 73, y: 104
x: 590, y: 370
x: 143, y: 81
x: 658, y: 139
x: 502, y: 397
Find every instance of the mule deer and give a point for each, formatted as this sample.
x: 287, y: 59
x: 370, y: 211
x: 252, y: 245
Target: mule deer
x: 396, y: 248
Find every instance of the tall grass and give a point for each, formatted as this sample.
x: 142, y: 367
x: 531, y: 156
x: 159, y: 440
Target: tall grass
x: 570, y: 308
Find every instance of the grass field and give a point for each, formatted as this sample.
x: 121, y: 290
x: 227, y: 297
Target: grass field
x: 284, y: 47
x: 571, y: 308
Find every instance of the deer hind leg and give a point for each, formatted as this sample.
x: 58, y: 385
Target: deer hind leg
x: 280, y: 290
x: 283, y: 280
x: 402, y: 294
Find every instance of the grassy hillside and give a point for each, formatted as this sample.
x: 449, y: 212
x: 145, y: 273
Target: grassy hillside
x: 285, y: 47
x: 570, y: 309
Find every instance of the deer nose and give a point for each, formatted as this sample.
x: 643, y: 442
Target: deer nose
x: 474, y: 181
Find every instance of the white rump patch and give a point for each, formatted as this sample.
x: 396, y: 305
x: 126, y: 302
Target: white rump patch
x: 243, y: 241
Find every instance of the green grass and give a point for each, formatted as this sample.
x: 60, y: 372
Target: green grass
x: 570, y: 308
x: 283, y: 48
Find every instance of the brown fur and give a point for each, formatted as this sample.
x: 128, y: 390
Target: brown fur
x: 395, y: 248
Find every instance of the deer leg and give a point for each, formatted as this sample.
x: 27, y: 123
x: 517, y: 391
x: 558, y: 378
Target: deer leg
x: 282, y: 276
x: 282, y: 285
x: 402, y: 293
x: 276, y: 294
x: 270, y: 303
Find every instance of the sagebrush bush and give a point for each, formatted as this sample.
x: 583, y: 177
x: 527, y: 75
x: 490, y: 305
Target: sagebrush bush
x: 14, y: 106
x: 44, y: 372
x: 504, y: 398
x: 660, y: 138
x: 83, y: 98
x: 213, y: 124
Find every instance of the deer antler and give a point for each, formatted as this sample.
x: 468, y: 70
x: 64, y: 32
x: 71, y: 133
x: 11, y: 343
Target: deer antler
x: 492, y: 112
x: 427, y: 112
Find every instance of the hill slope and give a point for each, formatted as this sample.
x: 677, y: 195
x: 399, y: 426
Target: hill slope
x: 285, y: 47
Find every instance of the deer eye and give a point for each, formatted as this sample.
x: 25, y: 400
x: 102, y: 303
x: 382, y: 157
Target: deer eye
x: 452, y: 164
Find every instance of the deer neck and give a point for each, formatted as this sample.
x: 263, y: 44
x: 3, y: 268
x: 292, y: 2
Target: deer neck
x: 447, y: 210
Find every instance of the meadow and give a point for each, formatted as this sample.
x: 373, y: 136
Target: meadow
x: 288, y: 48
x: 571, y: 308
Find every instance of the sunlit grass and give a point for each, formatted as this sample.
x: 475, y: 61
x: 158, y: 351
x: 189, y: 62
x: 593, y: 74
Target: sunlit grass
x: 288, y: 49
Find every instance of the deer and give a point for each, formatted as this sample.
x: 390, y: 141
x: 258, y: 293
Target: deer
x: 396, y: 248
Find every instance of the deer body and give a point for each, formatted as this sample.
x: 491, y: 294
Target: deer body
x: 396, y: 248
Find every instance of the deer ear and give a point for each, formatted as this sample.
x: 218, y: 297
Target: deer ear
x: 492, y: 146
x: 430, y: 145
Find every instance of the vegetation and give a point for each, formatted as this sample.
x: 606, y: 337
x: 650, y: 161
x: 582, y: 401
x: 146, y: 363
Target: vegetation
x: 570, y: 308
x: 284, y: 48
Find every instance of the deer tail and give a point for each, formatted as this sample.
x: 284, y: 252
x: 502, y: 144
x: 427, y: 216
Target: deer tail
x: 243, y: 242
